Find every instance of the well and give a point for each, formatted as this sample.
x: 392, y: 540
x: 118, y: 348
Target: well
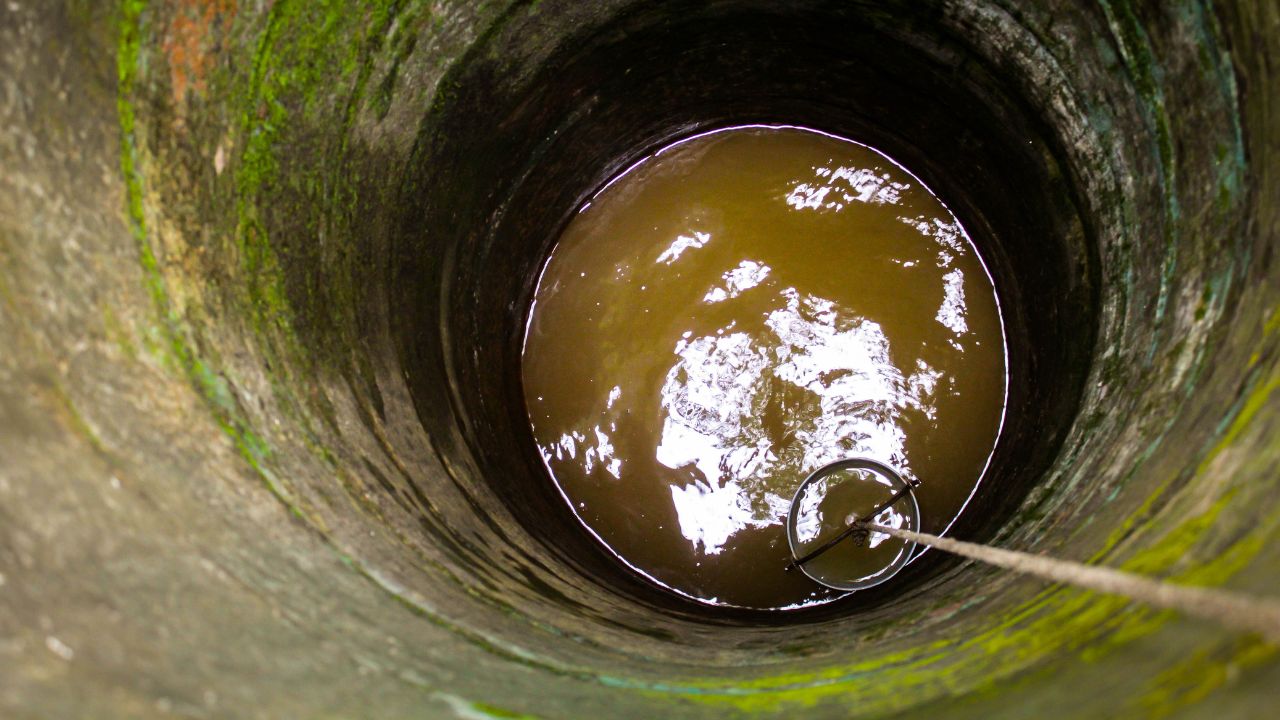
x: 263, y: 273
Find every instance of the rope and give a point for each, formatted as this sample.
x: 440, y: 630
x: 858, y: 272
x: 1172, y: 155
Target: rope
x: 1232, y: 610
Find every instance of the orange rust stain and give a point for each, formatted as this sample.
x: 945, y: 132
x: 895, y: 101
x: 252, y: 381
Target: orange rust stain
x: 186, y: 43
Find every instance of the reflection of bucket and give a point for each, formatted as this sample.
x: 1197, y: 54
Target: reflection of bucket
x: 264, y: 268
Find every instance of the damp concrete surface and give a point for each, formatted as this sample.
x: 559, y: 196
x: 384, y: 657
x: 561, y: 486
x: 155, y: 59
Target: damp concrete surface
x: 263, y: 275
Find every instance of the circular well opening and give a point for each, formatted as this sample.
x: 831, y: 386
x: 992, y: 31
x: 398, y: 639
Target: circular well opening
x: 534, y: 130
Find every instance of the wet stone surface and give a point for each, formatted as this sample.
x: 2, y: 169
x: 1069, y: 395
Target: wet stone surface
x: 263, y: 272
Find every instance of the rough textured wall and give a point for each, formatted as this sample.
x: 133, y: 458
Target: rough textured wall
x: 219, y: 498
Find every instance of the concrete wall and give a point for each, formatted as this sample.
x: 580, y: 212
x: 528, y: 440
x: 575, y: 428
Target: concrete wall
x: 250, y: 447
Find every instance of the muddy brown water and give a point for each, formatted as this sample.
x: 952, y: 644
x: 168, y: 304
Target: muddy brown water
x: 736, y: 310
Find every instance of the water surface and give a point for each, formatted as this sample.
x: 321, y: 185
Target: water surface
x: 737, y: 310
